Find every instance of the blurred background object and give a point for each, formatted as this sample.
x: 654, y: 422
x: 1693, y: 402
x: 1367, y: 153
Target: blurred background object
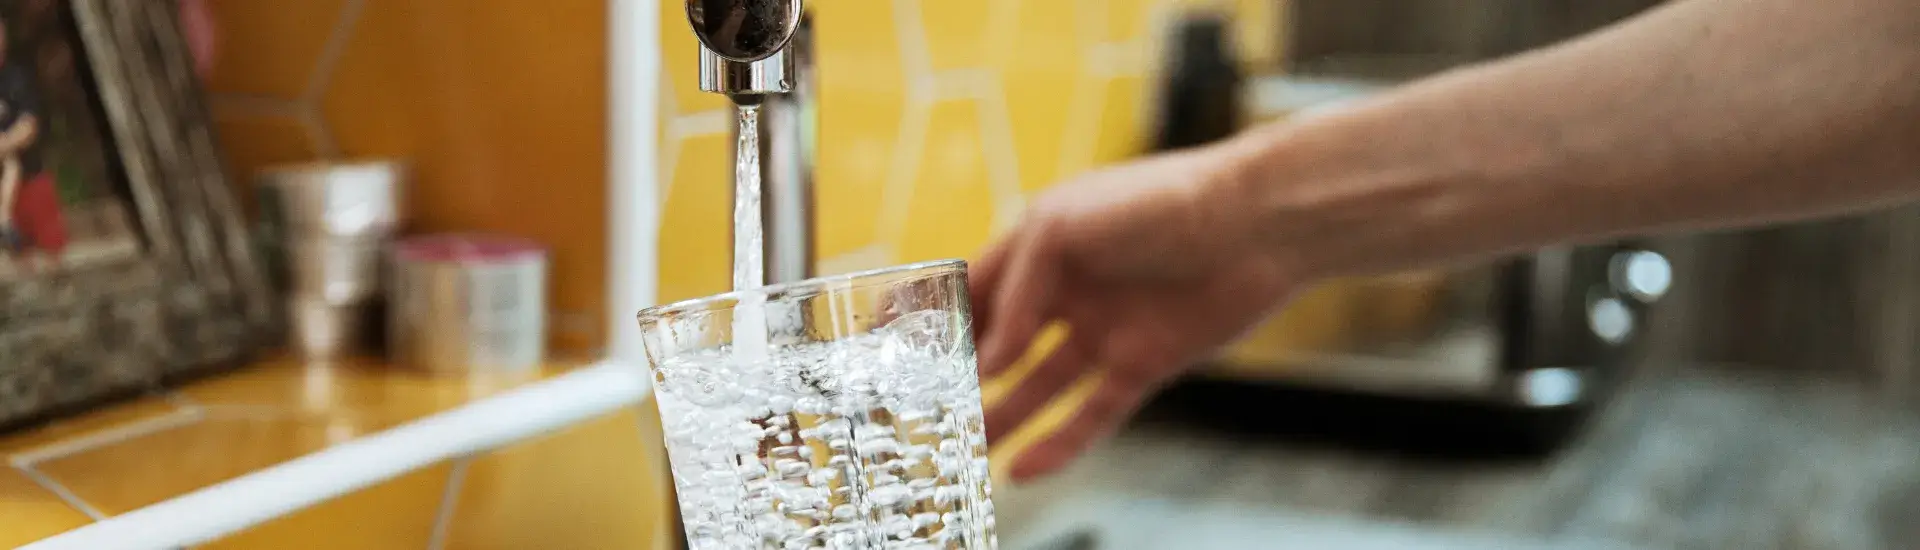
x: 468, y: 304
x: 327, y: 227
x: 1543, y: 336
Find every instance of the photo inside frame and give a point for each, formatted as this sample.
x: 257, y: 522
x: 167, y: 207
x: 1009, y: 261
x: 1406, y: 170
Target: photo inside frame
x: 65, y: 200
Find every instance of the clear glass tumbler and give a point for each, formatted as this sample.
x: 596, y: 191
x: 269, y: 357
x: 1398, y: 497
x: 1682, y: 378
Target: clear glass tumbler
x: 835, y: 413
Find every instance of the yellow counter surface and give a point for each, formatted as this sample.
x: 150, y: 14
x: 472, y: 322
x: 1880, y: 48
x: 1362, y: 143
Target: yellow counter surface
x: 597, y: 484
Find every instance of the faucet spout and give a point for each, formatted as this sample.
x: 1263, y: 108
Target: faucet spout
x: 759, y: 52
x: 743, y: 46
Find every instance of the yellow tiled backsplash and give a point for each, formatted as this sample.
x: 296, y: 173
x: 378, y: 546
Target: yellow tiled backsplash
x: 499, y: 104
x: 938, y: 117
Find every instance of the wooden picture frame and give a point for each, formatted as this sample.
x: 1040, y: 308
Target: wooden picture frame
x: 169, y: 286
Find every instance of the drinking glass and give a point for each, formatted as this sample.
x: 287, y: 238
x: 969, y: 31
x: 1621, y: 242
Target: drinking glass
x: 839, y: 412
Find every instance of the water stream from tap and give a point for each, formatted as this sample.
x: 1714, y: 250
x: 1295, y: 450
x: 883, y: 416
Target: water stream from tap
x: 749, y: 265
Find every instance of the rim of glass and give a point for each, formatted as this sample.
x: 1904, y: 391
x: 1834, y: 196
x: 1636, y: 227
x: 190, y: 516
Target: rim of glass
x: 812, y: 286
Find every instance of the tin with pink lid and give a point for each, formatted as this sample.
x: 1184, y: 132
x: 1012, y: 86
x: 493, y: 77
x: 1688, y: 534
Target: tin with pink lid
x: 467, y: 303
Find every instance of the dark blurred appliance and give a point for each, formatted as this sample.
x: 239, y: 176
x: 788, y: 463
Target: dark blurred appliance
x: 1542, y: 336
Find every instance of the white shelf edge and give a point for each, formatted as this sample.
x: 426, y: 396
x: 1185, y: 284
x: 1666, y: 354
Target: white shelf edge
x: 236, y: 504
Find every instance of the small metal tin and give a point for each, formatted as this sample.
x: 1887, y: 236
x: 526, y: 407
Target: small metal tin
x: 324, y: 330
x: 342, y: 199
x: 468, y: 304
x: 338, y: 270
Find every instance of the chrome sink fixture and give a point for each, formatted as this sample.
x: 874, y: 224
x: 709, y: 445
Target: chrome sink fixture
x: 760, y: 52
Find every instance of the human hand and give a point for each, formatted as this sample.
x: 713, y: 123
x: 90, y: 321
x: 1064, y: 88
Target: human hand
x: 1150, y: 269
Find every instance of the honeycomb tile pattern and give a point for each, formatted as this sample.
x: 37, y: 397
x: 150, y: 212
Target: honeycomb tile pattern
x: 1057, y: 87
x: 29, y: 512
x: 605, y: 478
x: 938, y: 119
x: 499, y: 105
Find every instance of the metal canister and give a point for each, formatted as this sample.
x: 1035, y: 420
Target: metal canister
x: 468, y: 303
x: 324, y: 227
x: 339, y: 199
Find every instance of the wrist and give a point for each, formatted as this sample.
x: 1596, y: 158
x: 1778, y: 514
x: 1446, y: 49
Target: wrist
x: 1239, y: 201
x: 1329, y: 197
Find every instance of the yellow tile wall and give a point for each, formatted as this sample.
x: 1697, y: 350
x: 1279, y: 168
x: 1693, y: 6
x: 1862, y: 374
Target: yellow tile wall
x: 500, y: 105
x: 938, y: 118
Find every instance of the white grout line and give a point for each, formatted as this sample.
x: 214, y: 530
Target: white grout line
x: 246, y: 105
x: 230, y: 506
x: 449, y: 502
x: 962, y: 83
x: 1117, y: 59
x: 106, y: 436
x: 72, y: 500
x: 916, y: 57
x: 669, y: 146
x: 1092, y: 22
x: 864, y: 258
x: 702, y: 123
x: 1002, y: 32
x: 1083, y: 125
x: 330, y: 53
x: 669, y: 163
x: 897, y: 197
x: 319, y: 132
x: 1003, y: 160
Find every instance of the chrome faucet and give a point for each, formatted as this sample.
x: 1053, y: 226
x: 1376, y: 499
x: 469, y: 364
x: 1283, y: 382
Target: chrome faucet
x: 759, y: 52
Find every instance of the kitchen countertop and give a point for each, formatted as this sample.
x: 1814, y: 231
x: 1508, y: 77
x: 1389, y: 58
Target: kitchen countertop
x: 1706, y: 457
x: 595, y: 484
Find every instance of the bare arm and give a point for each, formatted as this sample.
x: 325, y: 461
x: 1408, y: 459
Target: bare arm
x: 1702, y: 113
x: 21, y: 134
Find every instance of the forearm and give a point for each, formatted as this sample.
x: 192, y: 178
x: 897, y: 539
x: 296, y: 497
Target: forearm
x: 1702, y: 113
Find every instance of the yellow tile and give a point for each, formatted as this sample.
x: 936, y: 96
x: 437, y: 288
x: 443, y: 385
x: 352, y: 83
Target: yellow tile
x: 1040, y: 85
x: 271, y: 48
x: 863, y: 99
x: 29, y: 513
x: 696, y: 235
x: 956, y: 32
x: 365, y: 389
x: 501, y: 107
x: 663, y: 169
x: 1257, y: 30
x: 951, y: 212
x: 1048, y: 420
x: 680, y: 58
x: 1123, y: 124
x: 396, y: 515
x: 599, y: 484
x: 1315, y: 321
x: 136, y: 472
x: 252, y: 143
x: 94, y: 421
x: 362, y: 106
x: 1129, y: 20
